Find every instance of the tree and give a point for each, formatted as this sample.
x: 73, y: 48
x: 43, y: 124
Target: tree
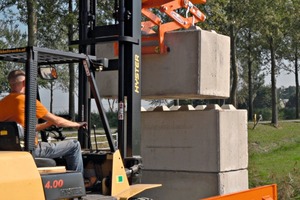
x: 263, y: 98
x: 290, y: 50
x: 230, y: 17
x: 60, y: 18
x: 271, y: 28
x: 249, y: 58
x: 10, y: 37
x: 32, y: 22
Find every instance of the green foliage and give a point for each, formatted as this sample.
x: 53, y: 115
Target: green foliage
x: 265, y: 112
x: 10, y: 37
x: 263, y: 98
x: 286, y: 93
x: 105, y: 13
x: 287, y: 113
x: 111, y: 116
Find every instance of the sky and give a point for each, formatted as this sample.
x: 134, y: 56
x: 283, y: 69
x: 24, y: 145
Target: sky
x: 61, y: 98
x: 283, y: 79
x: 60, y: 102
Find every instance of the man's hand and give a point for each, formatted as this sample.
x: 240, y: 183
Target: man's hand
x: 82, y: 125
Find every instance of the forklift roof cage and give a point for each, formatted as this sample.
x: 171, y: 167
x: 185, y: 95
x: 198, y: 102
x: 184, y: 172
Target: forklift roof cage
x: 32, y: 57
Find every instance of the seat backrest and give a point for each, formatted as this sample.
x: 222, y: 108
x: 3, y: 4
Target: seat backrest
x: 10, y: 133
x: 9, y: 136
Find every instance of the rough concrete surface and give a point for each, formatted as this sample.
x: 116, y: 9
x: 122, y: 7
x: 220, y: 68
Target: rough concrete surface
x: 197, y: 66
x: 178, y: 185
x: 194, y: 140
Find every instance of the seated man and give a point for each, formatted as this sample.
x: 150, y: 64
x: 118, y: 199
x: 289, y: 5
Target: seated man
x: 12, y: 108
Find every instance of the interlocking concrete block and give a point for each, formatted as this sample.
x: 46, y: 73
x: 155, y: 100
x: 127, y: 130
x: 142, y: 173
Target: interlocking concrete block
x: 213, y: 140
x: 197, y: 66
x: 193, y: 186
x: 200, y: 107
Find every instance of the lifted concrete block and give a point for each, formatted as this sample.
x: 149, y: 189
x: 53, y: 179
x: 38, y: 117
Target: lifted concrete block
x: 187, y: 185
x: 213, y: 140
x: 197, y: 66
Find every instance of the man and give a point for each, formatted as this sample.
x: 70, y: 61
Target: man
x: 12, y: 108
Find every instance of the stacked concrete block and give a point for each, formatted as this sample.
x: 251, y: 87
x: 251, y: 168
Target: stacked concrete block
x: 197, y: 66
x: 179, y: 185
x: 195, y: 153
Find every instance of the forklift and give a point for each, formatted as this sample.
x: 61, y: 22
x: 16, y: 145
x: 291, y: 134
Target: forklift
x: 24, y: 177
x: 36, y: 182
x: 53, y: 182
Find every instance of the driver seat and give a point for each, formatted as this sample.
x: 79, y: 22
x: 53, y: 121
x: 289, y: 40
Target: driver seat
x: 10, y: 134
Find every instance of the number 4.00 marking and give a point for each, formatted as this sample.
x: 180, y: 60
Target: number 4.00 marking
x: 54, y: 184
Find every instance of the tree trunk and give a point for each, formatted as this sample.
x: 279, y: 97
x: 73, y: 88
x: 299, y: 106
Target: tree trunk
x: 273, y: 82
x: 32, y: 23
x: 71, y: 70
x: 250, y: 91
x: 297, y: 83
x: 234, y: 69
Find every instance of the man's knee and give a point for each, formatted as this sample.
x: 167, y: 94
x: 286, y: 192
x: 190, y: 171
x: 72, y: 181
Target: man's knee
x: 76, y: 144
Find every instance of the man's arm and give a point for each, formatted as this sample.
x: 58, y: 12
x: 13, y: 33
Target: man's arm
x: 58, y: 121
x: 42, y: 126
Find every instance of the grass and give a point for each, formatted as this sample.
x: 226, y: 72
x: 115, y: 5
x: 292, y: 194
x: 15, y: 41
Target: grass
x: 274, y: 157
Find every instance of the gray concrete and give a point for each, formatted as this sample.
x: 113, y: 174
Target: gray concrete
x: 209, y: 140
x: 179, y: 185
x: 197, y: 66
x: 194, y: 152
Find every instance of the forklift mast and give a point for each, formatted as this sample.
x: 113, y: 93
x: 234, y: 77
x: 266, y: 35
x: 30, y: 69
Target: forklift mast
x: 127, y: 32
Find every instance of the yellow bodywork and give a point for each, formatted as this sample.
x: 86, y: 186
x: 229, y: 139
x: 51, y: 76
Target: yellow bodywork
x: 120, y: 185
x: 19, y: 177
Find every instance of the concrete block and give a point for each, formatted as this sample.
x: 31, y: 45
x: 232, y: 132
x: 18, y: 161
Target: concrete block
x: 228, y: 107
x: 198, y: 66
x: 213, y: 107
x: 174, y: 107
x: 213, y: 140
x: 200, y: 107
x: 161, y: 108
x: 193, y: 186
x: 186, y: 107
x: 150, y: 108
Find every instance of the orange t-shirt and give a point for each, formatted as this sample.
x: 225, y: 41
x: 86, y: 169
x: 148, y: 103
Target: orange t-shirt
x: 12, y: 108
